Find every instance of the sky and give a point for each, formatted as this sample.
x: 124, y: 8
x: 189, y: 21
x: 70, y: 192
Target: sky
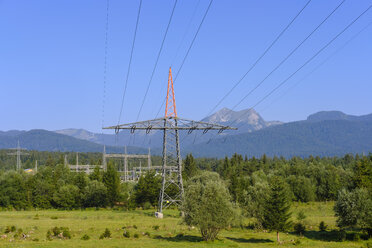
x: 52, y: 60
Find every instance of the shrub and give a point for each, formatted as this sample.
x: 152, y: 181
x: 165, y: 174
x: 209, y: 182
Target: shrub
x: 56, y: 231
x: 105, y: 234
x: 54, y: 217
x: 49, y: 235
x: 147, y: 205
x: 136, y: 235
x: 13, y: 228
x: 59, y: 232
x: 85, y: 237
x: 36, y: 217
x: 155, y: 227
x: 147, y: 234
x: 299, y: 228
x: 322, y: 226
x: 66, y: 234
x: 134, y: 226
x: 35, y: 239
x: 7, y: 229
x: 126, y: 234
x: 207, y: 205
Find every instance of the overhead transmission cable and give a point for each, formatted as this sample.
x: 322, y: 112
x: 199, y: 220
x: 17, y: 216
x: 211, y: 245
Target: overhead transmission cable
x: 289, y: 55
x: 259, y: 58
x: 285, y: 58
x: 318, y: 66
x: 188, y: 50
x: 105, y: 68
x: 157, y: 60
x: 307, y: 62
x: 130, y: 60
x: 185, y: 33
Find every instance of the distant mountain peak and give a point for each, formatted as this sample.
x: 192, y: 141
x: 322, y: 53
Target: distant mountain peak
x: 248, y: 119
x: 328, y: 115
x: 337, y: 115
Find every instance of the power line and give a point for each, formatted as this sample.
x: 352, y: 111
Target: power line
x: 319, y: 65
x: 105, y: 66
x: 186, y: 32
x: 259, y: 58
x: 308, y: 61
x: 157, y: 60
x: 130, y: 60
x: 285, y: 59
x: 188, y: 51
x: 289, y: 55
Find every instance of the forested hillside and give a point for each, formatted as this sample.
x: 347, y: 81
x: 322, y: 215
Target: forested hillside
x: 303, y: 138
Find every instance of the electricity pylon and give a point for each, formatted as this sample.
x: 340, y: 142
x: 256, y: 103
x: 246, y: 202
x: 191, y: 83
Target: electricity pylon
x: 18, y: 153
x: 172, y: 186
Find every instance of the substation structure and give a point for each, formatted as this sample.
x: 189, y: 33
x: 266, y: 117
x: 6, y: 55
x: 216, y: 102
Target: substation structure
x: 125, y: 173
x: 171, y: 191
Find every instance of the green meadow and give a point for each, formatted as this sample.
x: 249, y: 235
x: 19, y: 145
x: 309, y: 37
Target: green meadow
x: 147, y: 231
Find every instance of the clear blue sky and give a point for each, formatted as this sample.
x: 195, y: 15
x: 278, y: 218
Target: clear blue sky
x: 52, y: 54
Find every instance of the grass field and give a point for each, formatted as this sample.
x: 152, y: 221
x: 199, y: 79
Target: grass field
x: 170, y: 233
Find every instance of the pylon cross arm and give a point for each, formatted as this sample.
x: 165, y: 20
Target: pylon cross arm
x: 158, y: 124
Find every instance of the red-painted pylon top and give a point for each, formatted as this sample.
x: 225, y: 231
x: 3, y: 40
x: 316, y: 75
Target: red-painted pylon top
x: 170, y: 107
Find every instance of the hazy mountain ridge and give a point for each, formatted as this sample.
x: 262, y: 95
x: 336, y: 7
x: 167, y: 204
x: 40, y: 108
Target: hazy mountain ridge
x: 325, y: 133
x: 248, y: 120
x: 337, y: 115
x: 43, y: 140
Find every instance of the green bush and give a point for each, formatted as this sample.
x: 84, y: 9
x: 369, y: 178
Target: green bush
x: 49, y: 235
x: 134, y: 226
x: 136, y: 235
x: 13, y: 228
x: 54, y: 217
x: 155, y: 227
x: 85, y: 237
x: 59, y: 232
x: 322, y: 226
x: 147, y: 205
x: 56, y: 231
x: 126, y: 234
x: 147, y: 234
x: 66, y: 234
x: 105, y: 234
x: 207, y: 205
x: 299, y: 228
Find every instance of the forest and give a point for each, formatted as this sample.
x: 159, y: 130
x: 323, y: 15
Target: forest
x: 254, y: 188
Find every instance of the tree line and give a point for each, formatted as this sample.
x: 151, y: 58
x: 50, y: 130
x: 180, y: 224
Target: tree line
x: 262, y: 188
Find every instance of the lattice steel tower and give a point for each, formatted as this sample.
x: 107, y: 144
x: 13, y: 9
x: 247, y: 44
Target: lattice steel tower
x: 172, y: 186
x: 18, y: 152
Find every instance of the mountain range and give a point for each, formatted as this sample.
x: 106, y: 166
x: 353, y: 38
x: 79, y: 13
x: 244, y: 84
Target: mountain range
x: 326, y: 133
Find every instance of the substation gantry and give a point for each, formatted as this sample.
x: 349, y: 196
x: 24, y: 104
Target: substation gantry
x: 171, y: 191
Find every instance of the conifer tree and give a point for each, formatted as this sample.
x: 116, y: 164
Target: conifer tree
x: 276, y: 212
x: 189, y: 167
x: 112, y: 182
